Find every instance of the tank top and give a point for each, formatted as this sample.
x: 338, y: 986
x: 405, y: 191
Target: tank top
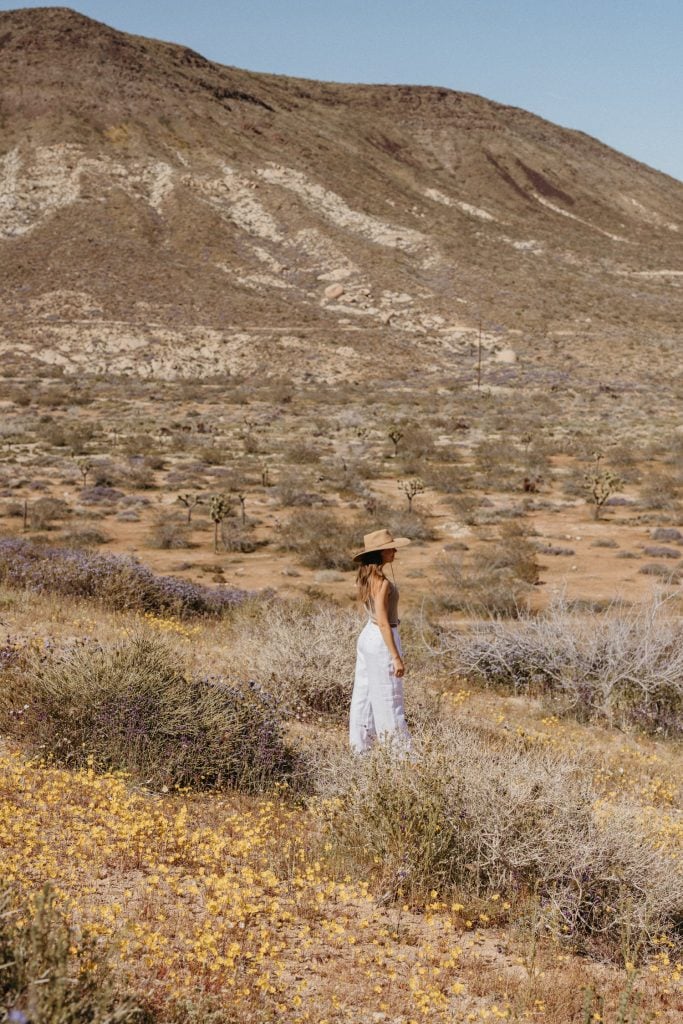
x: 392, y: 609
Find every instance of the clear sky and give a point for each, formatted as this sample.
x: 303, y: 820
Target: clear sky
x: 612, y: 68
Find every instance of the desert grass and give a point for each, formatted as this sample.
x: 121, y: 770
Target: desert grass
x: 470, y: 814
x: 305, y: 653
x: 625, y: 667
x: 49, y: 973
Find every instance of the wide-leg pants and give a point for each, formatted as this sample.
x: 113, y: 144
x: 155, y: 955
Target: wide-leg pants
x: 377, y: 700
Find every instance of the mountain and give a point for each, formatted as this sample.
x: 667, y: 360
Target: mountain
x: 160, y: 213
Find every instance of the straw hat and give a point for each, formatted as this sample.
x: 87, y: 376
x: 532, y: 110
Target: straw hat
x: 378, y: 541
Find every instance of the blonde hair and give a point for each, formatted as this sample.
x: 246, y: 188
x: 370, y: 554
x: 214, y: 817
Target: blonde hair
x: 369, y: 577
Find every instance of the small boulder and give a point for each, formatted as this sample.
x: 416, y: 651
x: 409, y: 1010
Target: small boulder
x: 334, y: 291
x: 506, y: 355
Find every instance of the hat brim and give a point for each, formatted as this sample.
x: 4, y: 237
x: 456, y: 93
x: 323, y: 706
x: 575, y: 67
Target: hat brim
x: 397, y: 542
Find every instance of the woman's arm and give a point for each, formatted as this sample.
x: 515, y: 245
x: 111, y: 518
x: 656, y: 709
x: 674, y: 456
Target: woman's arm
x: 381, y: 602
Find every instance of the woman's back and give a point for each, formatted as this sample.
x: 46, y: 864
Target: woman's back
x: 392, y: 604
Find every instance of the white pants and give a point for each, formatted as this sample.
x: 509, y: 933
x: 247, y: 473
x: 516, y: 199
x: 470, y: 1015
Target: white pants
x: 377, y: 699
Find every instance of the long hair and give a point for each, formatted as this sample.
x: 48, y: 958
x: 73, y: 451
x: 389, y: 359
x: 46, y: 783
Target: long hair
x: 369, y: 573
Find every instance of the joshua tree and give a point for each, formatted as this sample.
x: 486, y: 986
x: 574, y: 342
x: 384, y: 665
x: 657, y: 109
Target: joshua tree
x: 190, y: 501
x: 395, y: 436
x: 219, y: 509
x: 600, y: 484
x: 242, y: 498
x: 84, y: 467
x: 411, y: 488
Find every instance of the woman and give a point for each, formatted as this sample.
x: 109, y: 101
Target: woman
x: 377, y: 700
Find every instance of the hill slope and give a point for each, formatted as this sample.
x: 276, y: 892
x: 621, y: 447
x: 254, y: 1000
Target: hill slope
x: 158, y: 210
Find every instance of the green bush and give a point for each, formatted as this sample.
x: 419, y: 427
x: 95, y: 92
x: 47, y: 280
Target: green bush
x: 131, y: 707
x: 43, y: 975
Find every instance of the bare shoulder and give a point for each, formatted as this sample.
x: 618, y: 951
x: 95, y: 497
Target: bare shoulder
x: 380, y: 591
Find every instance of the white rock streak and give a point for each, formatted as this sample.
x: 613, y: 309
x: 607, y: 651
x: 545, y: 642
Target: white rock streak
x: 468, y: 208
x: 648, y: 215
x: 233, y: 196
x: 335, y: 209
x: 29, y: 191
x: 572, y: 216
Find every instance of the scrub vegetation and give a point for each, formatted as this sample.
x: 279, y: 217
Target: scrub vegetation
x: 209, y: 837
x: 174, y: 690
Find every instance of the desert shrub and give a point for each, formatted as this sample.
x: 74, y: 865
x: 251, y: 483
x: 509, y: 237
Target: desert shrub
x: 291, y: 491
x: 489, y: 594
x: 137, y: 474
x: 513, y: 552
x: 307, y: 653
x: 237, y: 536
x: 169, y: 532
x: 660, y: 491
x: 535, y: 459
x: 67, y: 434
x: 574, y: 482
x: 213, y: 455
x: 44, y: 976
x: 299, y: 453
x: 625, y: 668
x: 498, y: 463
x: 670, y: 534
x: 83, y: 537
x: 130, y: 706
x: 555, y: 550
x: 116, y: 581
x: 44, y: 511
x: 251, y: 444
x: 476, y: 814
x: 319, y: 538
x: 465, y: 508
x: 497, y: 582
x: 348, y: 477
x: 660, y: 551
x: 100, y: 494
x: 416, y: 447
x: 402, y: 523
x: 668, y: 574
x: 102, y: 472
x: 449, y: 478
x: 137, y: 444
x: 155, y: 462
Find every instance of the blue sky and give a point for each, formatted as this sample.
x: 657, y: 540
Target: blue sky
x: 612, y: 68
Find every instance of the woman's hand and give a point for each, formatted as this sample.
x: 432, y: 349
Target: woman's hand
x: 398, y: 666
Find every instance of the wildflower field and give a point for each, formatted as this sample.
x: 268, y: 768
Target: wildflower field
x: 523, y: 865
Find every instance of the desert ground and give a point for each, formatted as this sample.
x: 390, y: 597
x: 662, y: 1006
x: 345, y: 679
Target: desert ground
x: 288, y: 889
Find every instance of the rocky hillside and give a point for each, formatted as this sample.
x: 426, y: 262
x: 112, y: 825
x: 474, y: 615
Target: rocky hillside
x: 161, y: 213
